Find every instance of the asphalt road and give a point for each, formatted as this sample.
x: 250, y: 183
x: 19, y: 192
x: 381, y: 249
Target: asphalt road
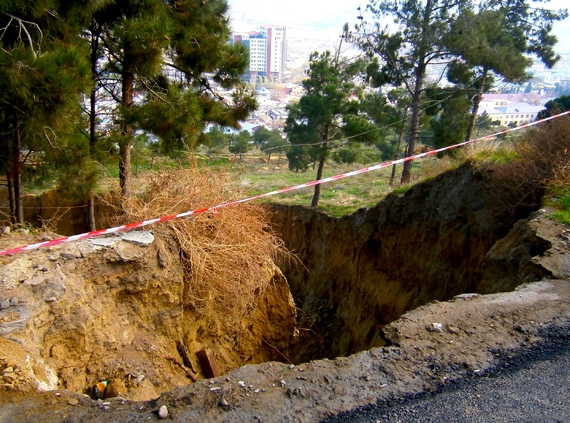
x: 531, y: 387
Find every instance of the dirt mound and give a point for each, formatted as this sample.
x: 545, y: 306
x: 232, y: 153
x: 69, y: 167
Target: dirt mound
x: 111, y: 309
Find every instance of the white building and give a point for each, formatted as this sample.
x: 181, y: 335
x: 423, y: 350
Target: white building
x: 276, y: 36
x: 267, y: 51
x: 507, y: 110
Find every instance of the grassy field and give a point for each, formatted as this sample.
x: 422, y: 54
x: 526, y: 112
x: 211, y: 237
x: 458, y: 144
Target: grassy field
x: 253, y: 175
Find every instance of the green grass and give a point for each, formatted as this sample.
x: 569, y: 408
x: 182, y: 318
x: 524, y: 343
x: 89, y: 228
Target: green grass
x: 561, y: 204
x: 337, y: 197
x: 253, y: 176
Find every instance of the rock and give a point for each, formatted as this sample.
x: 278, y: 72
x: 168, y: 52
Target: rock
x: 107, y: 241
x: 434, y: 327
x: 8, y: 378
x: 163, y: 412
x: 128, y: 251
x: 223, y: 403
x: 73, y: 401
x: 140, y: 238
x: 466, y: 296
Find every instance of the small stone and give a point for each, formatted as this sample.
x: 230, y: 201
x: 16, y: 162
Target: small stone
x: 8, y: 378
x: 467, y: 296
x: 163, y: 412
x: 453, y: 329
x: 241, y: 383
x: 223, y: 402
x: 9, y: 369
x: 434, y: 327
x: 72, y: 401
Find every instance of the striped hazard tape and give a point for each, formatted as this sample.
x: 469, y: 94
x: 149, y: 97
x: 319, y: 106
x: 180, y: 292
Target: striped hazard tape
x: 214, y: 209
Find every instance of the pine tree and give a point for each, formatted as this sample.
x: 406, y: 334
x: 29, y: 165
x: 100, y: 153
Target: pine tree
x: 329, y: 111
x: 499, y: 40
x: 239, y: 143
x: 43, y: 73
x: 173, y: 55
x: 405, y: 54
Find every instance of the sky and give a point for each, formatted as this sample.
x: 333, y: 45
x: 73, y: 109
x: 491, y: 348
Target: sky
x: 330, y: 14
x: 297, y: 12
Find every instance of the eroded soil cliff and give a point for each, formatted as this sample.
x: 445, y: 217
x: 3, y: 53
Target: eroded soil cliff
x: 111, y: 309
x: 362, y: 271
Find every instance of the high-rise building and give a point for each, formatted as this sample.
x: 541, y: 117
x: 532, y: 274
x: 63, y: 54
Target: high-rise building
x: 276, y: 49
x: 267, y: 51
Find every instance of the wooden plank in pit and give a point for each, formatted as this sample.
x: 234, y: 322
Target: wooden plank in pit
x: 208, y: 363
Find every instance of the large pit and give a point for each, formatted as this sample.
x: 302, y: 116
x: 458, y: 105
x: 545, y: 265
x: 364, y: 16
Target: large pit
x: 116, y: 314
x: 358, y: 273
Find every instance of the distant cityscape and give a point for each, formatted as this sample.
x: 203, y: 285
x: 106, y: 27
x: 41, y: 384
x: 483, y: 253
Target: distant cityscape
x: 279, y: 58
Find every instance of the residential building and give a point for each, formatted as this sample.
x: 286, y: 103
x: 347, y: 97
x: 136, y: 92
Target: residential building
x: 508, y: 109
x: 267, y: 52
x: 276, y: 36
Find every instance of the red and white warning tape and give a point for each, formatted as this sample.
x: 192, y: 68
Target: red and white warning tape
x: 214, y: 209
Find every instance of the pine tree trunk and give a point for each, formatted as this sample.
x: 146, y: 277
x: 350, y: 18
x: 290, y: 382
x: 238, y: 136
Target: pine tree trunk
x: 91, y: 213
x: 322, y: 158
x: 400, y: 138
x: 416, y: 95
x: 126, y: 132
x: 415, y: 124
x: 317, y: 194
x: 476, y: 101
x: 17, y: 171
x: 93, y: 122
x: 92, y: 142
x: 11, y: 198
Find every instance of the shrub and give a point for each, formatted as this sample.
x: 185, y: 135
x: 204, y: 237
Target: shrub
x: 541, y: 166
x: 228, y: 255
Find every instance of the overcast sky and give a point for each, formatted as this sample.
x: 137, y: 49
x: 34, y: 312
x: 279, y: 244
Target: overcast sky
x: 293, y: 12
x: 324, y: 13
